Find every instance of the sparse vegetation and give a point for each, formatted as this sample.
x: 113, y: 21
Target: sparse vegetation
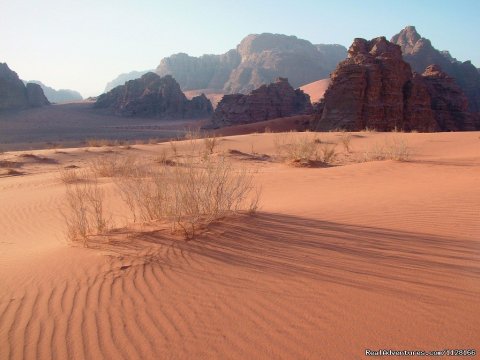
x: 210, y: 144
x: 397, y: 149
x: 111, y: 165
x: 190, y: 195
x: 84, y: 213
x: 345, y: 139
x: 302, y: 149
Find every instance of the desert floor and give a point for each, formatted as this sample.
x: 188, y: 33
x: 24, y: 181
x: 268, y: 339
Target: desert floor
x: 73, y: 123
x: 339, y: 259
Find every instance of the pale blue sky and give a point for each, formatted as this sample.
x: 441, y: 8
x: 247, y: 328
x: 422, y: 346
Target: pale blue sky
x: 84, y: 44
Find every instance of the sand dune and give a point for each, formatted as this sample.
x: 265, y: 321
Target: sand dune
x: 380, y: 254
x: 316, y: 89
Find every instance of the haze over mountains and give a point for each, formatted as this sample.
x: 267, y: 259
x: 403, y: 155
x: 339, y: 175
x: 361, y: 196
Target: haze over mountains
x: 58, y: 96
x: 258, y: 59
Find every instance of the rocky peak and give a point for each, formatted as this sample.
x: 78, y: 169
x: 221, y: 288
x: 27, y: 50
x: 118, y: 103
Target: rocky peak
x: 407, y: 39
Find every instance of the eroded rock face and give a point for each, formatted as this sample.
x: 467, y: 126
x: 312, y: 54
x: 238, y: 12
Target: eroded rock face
x: 420, y: 53
x: 375, y: 88
x: 15, y: 95
x: 153, y: 96
x: 258, y: 59
x: 275, y: 100
x: 448, y: 102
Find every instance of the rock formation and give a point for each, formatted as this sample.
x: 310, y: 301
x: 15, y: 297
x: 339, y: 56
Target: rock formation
x: 375, y: 88
x: 123, y: 78
x: 58, y: 96
x: 420, y: 53
x: 35, y: 95
x: 153, y: 96
x: 15, y: 95
x: 275, y: 100
x: 258, y: 59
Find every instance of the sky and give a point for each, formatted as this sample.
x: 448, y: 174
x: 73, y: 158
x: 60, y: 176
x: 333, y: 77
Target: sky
x: 82, y: 45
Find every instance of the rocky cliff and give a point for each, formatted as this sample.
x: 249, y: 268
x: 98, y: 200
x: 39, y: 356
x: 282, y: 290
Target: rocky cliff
x: 420, y: 53
x: 278, y: 99
x: 375, y: 88
x: 58, y: 96
x: 258, y: 59
x: 153, y: 96
x: 15, y: 95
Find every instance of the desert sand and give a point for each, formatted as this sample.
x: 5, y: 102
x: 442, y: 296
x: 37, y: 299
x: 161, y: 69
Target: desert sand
x: 316, y: 89
x: 339, y: 259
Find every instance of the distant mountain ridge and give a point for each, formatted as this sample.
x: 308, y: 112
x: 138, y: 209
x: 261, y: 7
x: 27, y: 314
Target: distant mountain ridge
x: 58, y: 96
x: 259, y: 59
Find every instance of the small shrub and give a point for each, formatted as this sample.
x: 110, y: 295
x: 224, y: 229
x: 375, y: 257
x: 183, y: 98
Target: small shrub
x: 396, y: 150
x: 210, y: 144
x: 111, y: 165
x: 84, y: 212
x: 345, y: 139
x: 328, y: 152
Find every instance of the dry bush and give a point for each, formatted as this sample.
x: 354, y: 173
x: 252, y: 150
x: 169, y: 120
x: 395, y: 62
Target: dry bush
x: 300, y: 150
x: 210, y: 144
x: 189, y: 195
x: 70, y: 176
x: 111, y: 165
x: 345, y: 139
x: 84, y: 212
x: 328, y: 153
x: 397, y: 149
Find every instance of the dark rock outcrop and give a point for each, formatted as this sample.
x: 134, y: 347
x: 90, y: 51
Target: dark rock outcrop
x: 275, y: 100
x: 15, y: 95
x: 58, y: 96
x: 375, y: 88
x: 258, y: 59
x: 153, y: 96
x: 448, y: 102
x: 35, y: 95
x: 420, y: 53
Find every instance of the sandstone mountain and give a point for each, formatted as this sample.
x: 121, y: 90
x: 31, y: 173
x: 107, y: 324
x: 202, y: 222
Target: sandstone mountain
x: 278, y: 99
x: 153, y: 96
x: 15, y: 95
x: 58, y: 96
x: 375, y: 88
x: 420, y: 53
x: 123, y: 78
x: 258, y: 59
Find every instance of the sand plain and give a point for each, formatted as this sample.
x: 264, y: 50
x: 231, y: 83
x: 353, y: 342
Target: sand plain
x: 339, y: 259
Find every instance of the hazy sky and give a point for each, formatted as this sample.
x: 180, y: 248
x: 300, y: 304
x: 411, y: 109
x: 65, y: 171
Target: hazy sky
x: 82, y: 45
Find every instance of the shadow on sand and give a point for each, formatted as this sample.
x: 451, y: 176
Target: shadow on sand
x: 374, y: 259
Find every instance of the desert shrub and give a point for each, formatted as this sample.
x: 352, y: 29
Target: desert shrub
x: 397, y: 149
x: 299, y: 150
x: 190, y: 194
x: 345, y: 139
x: 70, y: 176
x: 210, y: 144
x: 328, y: 153
x: 111, y: 165
x: 84, y: 208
